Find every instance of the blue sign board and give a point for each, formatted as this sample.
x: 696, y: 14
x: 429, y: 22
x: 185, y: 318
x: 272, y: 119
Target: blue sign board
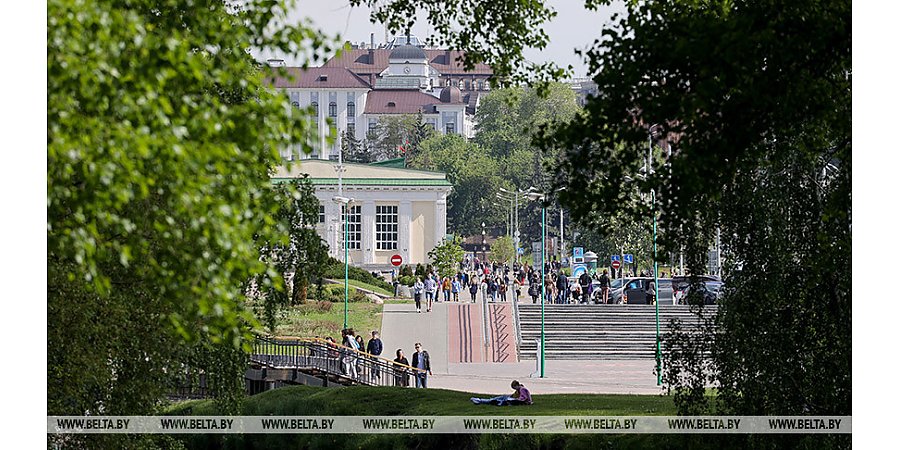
x: 521, y: 251
x: 614, y: 258
x: 578, y: 252
x: 578, y: 269
x: 629, y: 259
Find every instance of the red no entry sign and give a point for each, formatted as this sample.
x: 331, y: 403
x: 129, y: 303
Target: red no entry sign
x: 396, y: 260
x: 616, y: 264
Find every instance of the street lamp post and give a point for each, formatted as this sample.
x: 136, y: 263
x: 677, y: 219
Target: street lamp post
x: 345, y: 209
x: 540, y: 197
x: 655, y: 263
x: 483, y: 244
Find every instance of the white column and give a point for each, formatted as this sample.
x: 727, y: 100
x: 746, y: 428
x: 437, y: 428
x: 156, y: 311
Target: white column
x: 440, y: 218
x: 335, y: 228
x: 368, y: 231
x: 404, y: 217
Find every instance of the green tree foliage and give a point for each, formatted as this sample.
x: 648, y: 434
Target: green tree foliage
x: 302, y: 259
x: 161, y: 134
x: 474, y: 174
x: 473, y: 26
x: 503, y: 249
x: 393, y: 137
x: 447, y: 256
x: 736, y: 93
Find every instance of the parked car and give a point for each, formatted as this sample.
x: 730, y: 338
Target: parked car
x: 680, y: 286
x: 710, y: 292
x: 633, y: 291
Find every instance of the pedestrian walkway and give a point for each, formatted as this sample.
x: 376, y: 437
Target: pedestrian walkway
x: 402, y: 327
x: 455, y: 369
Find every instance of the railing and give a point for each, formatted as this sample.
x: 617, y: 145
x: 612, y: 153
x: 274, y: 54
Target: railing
x: 515, y: 308
x: 324, y: 356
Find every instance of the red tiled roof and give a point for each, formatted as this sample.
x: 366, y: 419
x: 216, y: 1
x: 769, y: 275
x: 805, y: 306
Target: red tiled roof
x: 404, y: 102
x: 444, y: 61
x: 317, y: 77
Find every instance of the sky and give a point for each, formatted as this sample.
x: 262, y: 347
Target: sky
x: 573, y: 27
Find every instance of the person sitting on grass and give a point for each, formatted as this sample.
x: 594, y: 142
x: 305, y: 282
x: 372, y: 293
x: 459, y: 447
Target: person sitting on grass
x: 521, y: 397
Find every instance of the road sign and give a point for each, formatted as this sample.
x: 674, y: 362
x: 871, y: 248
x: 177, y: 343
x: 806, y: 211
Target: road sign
x: 629, y: 258
x: 520, y: 251
x: 614, y: 257
x: 616, y: 264
x: 396, y: 260
x: 578, y: 269
x: 578, y: 255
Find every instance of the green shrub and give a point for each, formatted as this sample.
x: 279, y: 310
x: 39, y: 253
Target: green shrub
x: 407, y: 280
x: 335, y: 270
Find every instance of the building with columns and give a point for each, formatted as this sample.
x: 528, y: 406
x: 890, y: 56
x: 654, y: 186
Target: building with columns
x: 354, y: 91
x: 395, y: 211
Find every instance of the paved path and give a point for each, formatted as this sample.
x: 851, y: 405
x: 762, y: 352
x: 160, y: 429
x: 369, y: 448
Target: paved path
x: 402, y: 327
x: 561, y: 377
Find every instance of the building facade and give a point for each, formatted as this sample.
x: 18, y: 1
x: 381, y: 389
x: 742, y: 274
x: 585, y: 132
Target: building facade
x: 394, y: 211
x: 362, y: 86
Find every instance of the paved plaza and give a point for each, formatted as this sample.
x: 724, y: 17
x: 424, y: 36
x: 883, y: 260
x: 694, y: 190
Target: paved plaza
x: 402, y: 327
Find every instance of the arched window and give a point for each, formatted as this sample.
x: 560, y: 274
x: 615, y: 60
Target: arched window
x: 351, y: 109
x: 332, y: 109
x: 461, y: 84
x: 315, y: 108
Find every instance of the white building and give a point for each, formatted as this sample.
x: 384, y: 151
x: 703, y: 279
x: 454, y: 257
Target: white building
x: 395, y: 211
x: 362, y: 86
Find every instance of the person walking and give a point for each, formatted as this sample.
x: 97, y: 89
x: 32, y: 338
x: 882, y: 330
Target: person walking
x: 585, y: 281
x: 418, y: 288
x: 562, y: 285
x: 447, y: 286
x: 400, y: 376
x: 349, y: 342
x: 374, y: 348
x: 517, y: 290
x: 430, y: 290
x: 604, y: 287
x: 651, y: 292
x: 473, y: 288
x: 503, y: 290
x: 455, y: 287
x: 421, y: 361
x: 534, y: 291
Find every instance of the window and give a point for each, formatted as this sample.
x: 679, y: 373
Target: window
x: 351, y: 109
x: 351, y: 129
x: 449, y: 83
x: 451, y: 128
x: 481, y: 85
x: 332, y: 109
x: 461, y: 84
x: 386, y: 224
x: 432, y: 123
x: 354, y: 227
x: 373, y: 124
x: 315, y: 108
x: 468, y: 85
x: 321, y: 213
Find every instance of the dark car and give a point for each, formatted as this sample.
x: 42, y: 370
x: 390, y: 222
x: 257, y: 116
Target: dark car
x: 709, y: 291
x: 633, y: 291
x: 680, y: 286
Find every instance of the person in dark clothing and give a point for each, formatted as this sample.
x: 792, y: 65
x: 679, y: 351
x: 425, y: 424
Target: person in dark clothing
x: 651, y: 292
x: 562, y: 285
x: 374, y: 348
x: 421, y: 361
x: 604, y: 287
x: 585, y: 281
x: 400, y: 376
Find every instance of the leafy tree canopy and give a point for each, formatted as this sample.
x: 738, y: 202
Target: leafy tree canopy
x: 161, y: 134
x: 747, y: 107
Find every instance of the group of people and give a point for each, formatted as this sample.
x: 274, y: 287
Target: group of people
x: 353, y: 365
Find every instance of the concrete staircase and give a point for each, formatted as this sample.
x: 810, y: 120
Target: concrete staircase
x: 598, y: 331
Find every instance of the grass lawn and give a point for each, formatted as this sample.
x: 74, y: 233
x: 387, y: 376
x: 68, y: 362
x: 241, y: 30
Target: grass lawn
x: 388, y: 401
x: 362, y: 285
x: 369, y: 400
x: 309, y: 320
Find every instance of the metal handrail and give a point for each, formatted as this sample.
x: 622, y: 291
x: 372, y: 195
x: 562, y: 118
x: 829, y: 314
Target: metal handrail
x: 331, y: 358
x: 516, y: 323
